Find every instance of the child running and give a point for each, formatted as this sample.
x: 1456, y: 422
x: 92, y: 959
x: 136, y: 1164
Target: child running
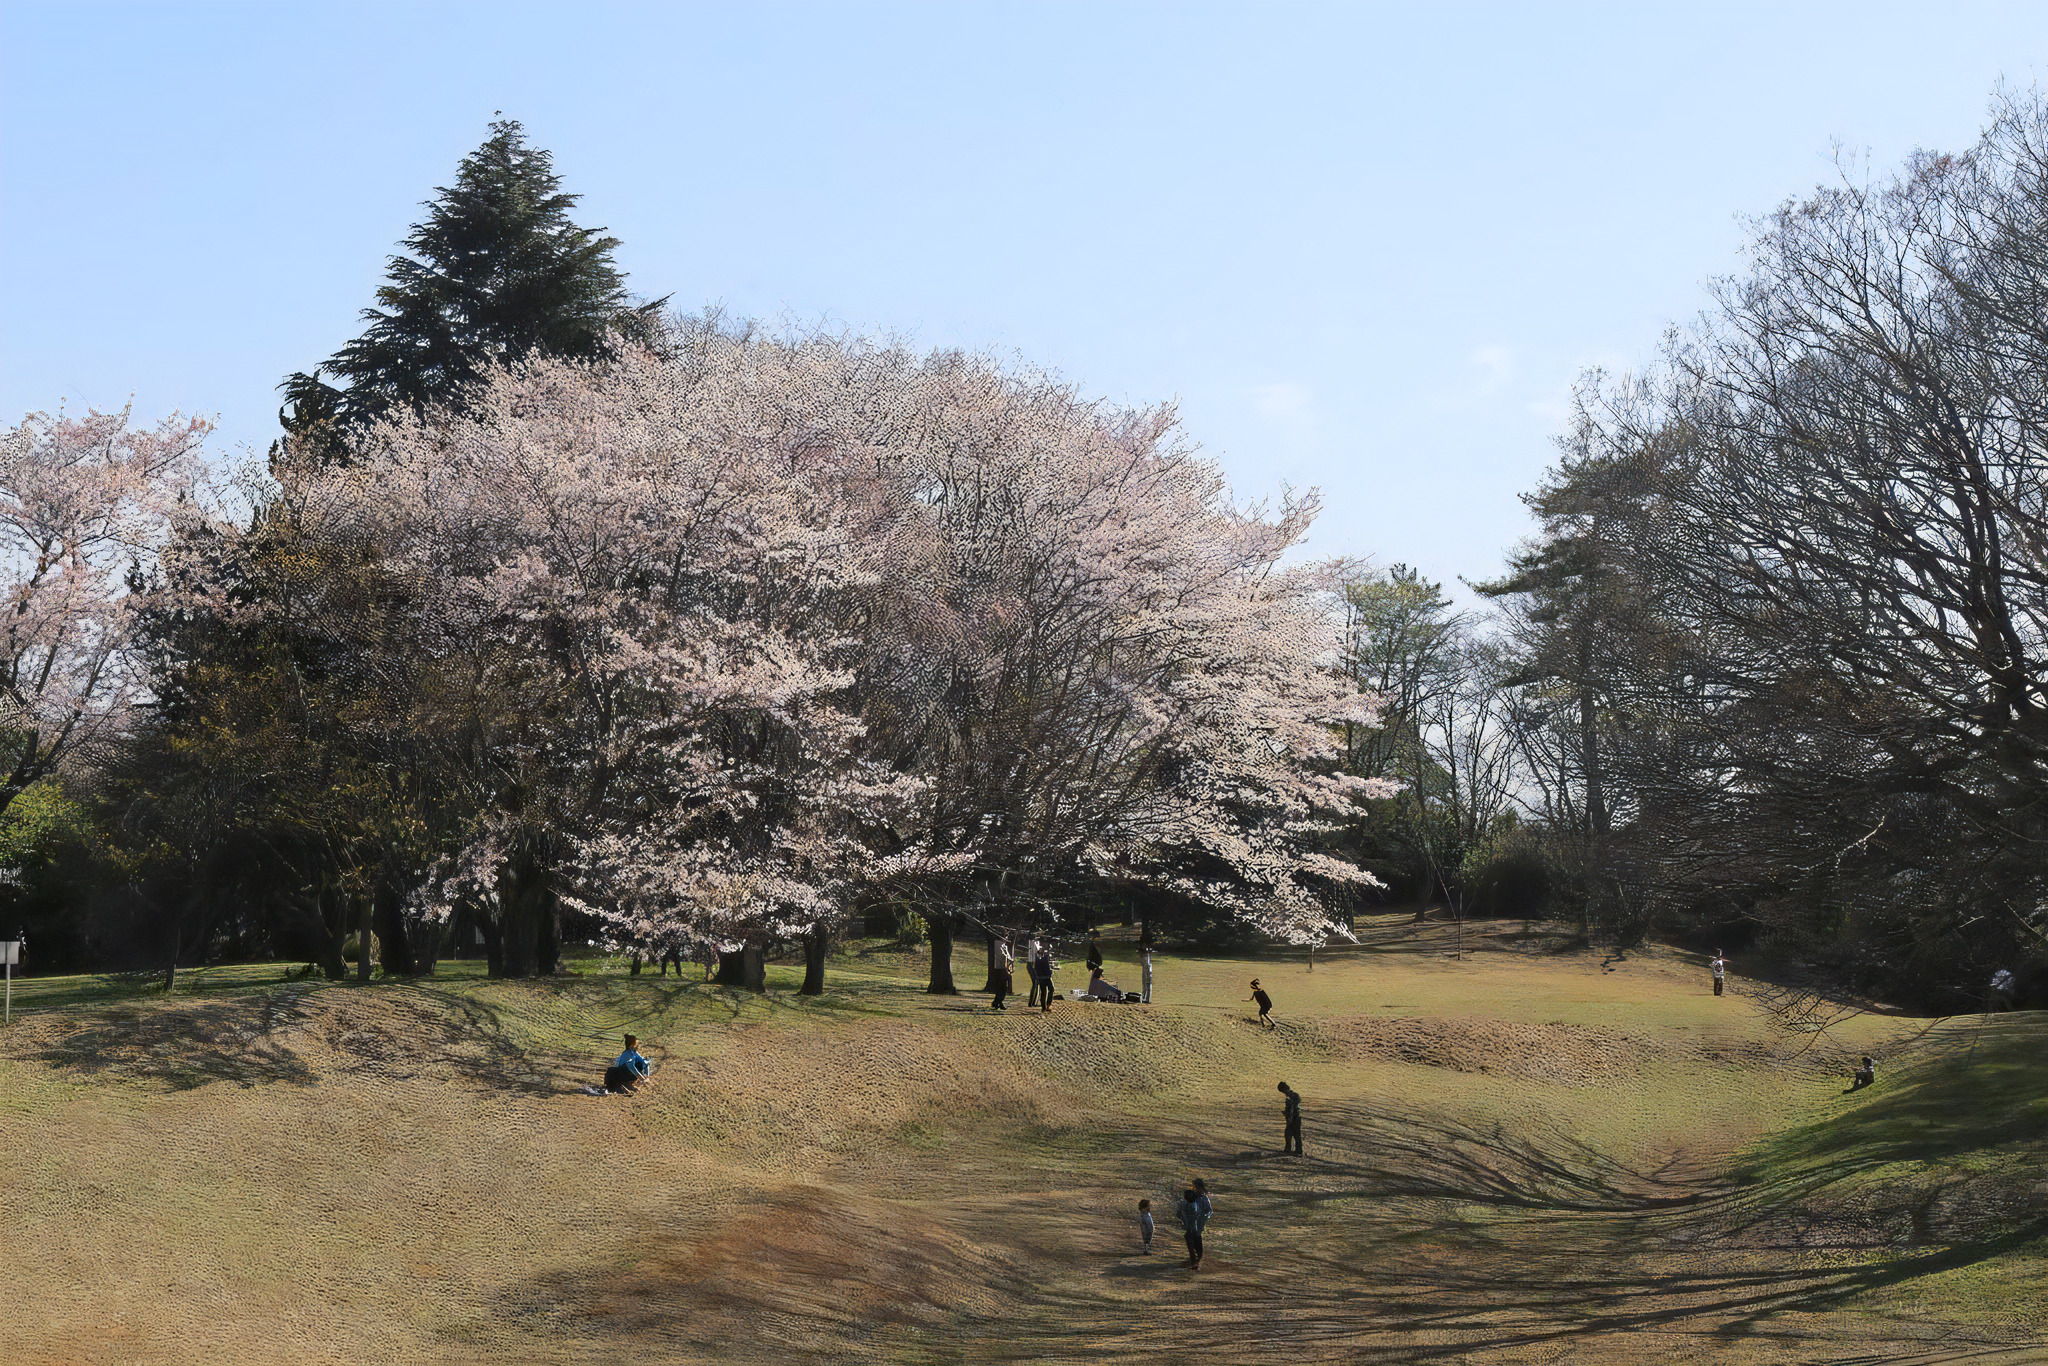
x: 1265, y: 1003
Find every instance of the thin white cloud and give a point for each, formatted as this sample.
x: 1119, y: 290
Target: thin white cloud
x: 1286, y: 403
x: 1496, y: 366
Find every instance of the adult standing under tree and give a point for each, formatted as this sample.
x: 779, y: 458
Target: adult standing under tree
x: 1145, y: 972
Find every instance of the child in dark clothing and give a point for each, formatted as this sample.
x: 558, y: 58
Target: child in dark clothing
x: 1291, y: 1139
x: 1265, y: 1004
x: 1145, y: 1223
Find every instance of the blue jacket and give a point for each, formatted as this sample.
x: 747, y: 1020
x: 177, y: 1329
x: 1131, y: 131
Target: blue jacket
x: 631, y: 1058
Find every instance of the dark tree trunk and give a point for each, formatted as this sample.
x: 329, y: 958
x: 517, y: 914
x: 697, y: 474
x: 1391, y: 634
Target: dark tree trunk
x: 548, y: 958
x: 732, y: 972
x: 522, y: 907
x: 815, y: 945
x: 941, y: 927
x: 754, y: 966
x: 424, y: 938
x: 394, y: 945
x: 366, y: 935
x: 995, y: 960
x: 1589, y: 755
x: 325, y: 937
x: 636, y: 966
x: 494, y: 943
x: 177, y: 947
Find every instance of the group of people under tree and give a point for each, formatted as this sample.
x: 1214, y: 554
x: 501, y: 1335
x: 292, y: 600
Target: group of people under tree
x: 1040, y: 964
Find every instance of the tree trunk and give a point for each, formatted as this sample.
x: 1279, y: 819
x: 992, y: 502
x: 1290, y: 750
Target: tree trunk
x: 177, y: 947
x: 754, y: 966
x: 1589, y: 757
x: 321, y: 930
x: 548, y: 927
x: 521, y: 909
x: 394, y: 945
x: 732, y: 972
x: 494, y: 943
x: 941, y: 927
x: 424, y: 938
x: 995, y: 960
x: 815, y: 945
x: 366, y: 935
x: 636, y: 966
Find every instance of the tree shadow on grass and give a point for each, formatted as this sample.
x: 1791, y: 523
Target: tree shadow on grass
x: 184, y: 1045
x: 1407, y: 1236
x: 296, y: 1035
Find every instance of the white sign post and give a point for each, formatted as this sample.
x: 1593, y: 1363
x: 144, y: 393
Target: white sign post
x: 10, y: 954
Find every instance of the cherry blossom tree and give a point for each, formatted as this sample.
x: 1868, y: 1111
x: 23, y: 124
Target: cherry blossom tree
x: 85, y: 506
x: 769, y: 625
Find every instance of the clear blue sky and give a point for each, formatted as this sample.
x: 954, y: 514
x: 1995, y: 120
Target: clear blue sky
x: 1366, y: 247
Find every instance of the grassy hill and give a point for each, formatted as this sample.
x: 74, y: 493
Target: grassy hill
x: 1514, y: 1154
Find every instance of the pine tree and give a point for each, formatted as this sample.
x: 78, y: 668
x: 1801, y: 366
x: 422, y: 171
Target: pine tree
x: 495, y: 272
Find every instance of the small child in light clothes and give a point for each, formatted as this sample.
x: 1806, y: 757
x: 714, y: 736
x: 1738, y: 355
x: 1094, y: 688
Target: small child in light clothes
x: 1145, y: 1222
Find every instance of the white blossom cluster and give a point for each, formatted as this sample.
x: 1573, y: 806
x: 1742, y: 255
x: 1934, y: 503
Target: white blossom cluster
x: 766, y: 624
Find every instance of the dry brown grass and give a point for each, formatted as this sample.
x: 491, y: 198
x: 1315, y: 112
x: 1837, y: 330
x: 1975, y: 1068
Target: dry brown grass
x: 1514, y: 1156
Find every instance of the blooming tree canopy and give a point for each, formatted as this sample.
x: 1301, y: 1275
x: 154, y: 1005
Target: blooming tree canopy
x: 85, y: 505
x: 789, y: 620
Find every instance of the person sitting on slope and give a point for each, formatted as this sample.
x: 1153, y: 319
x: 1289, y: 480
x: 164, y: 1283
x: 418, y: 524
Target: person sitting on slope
x: 1101, y: 989
x: 630, y: 1071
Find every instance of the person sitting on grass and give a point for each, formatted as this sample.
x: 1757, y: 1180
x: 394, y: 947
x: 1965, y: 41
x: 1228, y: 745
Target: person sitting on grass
x: 630, y: 1071
x: 1101, y: 988
x: 1864, y: 1075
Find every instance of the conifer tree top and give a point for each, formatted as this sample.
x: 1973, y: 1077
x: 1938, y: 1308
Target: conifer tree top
x: 497, y: 270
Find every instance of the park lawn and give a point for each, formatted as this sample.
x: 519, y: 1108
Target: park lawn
x: 1516, y: 1153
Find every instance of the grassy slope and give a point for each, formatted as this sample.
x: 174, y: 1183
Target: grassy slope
x: 1513, y: 1156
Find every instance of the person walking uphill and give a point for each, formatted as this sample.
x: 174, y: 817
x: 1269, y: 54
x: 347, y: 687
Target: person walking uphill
x: 1193, y: 1211
x: 1290, y: 1141
x: 1265, y: 1004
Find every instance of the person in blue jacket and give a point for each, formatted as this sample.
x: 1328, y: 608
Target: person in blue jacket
x: 630, y: 1071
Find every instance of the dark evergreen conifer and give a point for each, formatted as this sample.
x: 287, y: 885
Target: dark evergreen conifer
x: 496, y: 271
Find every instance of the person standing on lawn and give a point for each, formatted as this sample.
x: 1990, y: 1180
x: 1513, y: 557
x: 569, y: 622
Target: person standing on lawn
x: 1719, y: 967
x: 1044, y: 979
x: 1290, y: 1141
x: 1004, y: 982
x: 1145, y: 972
x: 1193, y: 1211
